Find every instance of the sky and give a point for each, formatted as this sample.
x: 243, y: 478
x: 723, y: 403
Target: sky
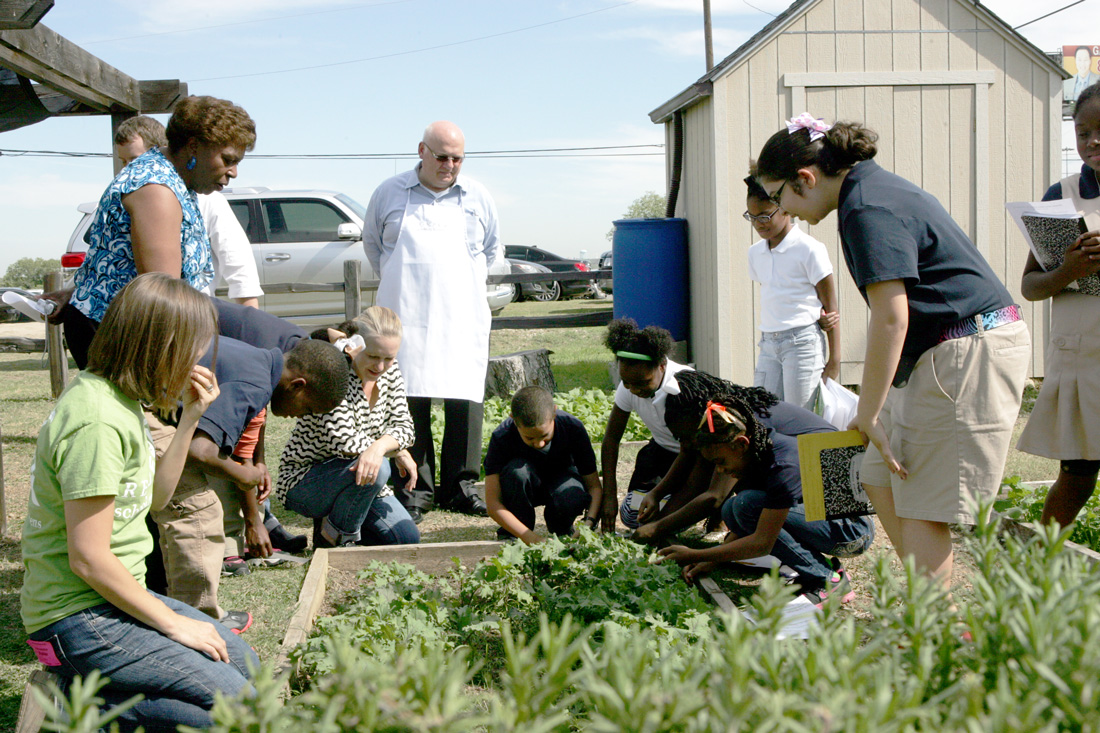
x: 515, y: 75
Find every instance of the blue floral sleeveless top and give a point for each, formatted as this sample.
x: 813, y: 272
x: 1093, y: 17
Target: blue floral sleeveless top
x: 109, y: 264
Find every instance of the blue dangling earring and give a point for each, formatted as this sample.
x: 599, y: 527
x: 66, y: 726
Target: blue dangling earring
x: 192, y: 163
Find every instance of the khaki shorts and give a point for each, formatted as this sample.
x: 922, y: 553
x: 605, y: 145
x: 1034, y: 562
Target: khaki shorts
x: 192, y: 534
x: 951, y: 425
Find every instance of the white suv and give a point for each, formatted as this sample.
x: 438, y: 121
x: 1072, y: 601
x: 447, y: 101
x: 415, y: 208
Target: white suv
x: 297, y: 237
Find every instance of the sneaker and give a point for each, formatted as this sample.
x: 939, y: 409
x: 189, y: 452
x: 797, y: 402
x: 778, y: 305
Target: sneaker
x: 285, y: 541
x: 836, y: 586
x: 237, y: 621
x: 234, y: 565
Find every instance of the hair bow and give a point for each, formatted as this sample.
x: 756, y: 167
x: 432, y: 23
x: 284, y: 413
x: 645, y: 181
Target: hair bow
x: 718, y: 408
x: 354, y: 341
x: 805, y: 121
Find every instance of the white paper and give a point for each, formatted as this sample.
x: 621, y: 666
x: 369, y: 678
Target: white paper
x: 799, y: 617
x: 767, y: 562
x: 36, y: 310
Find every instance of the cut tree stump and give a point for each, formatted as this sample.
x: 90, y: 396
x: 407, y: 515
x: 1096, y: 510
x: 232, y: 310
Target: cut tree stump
x: 522, y: 369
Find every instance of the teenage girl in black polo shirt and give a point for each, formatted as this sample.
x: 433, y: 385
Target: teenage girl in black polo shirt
x: 947, y: 353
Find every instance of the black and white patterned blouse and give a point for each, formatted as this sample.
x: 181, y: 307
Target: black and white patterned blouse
x: 348, y: 429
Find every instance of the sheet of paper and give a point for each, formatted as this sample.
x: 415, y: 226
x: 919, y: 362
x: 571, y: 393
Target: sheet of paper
x: 799, y: 617
x: 767, y: 562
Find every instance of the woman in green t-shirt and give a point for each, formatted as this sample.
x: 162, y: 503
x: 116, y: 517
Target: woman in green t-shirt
x: 84, y: 601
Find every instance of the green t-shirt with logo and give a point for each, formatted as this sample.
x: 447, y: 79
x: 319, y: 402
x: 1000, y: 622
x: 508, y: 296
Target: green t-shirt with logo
x: 94, y: 443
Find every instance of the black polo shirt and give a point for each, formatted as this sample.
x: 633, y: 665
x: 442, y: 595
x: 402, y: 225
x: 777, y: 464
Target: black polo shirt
x: 247, y: 377
x: 781, y: 481
x: 255, y: 327
x: 891, y: 229
x: 570, y: 446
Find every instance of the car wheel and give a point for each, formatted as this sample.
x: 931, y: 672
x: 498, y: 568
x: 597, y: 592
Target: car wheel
x: 518, y: 296
x: 550, y: 294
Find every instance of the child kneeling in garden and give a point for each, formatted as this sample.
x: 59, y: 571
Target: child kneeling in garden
x: 766, y: 515
x: 540, y: 456
x: 84, y: 602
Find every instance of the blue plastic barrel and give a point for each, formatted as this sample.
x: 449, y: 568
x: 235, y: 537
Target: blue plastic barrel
x: 650, y: 273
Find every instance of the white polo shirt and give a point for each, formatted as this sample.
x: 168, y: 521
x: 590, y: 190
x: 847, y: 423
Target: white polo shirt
x: 788, y: 275
x: 652, y: 410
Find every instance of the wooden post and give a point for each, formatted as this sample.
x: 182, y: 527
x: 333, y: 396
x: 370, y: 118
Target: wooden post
x: 3, y: 492
x: 353, y: 296
x: 59, y: 359
x: 708, y: 44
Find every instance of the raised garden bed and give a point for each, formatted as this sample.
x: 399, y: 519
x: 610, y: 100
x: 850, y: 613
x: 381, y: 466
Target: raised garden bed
x: 435, y: 559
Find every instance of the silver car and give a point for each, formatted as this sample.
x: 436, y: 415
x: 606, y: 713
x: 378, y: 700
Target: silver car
x: 297, y: 237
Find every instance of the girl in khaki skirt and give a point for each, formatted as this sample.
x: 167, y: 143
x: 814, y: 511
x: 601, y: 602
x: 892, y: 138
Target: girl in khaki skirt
x: 1065, y: 423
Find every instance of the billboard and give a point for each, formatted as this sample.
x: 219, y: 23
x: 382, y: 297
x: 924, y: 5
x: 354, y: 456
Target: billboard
x: 1084, y: 63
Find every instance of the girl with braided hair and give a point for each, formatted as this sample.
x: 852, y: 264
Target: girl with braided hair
x: 648, y: 378
x: 693, y: 488
x: 766, y: 515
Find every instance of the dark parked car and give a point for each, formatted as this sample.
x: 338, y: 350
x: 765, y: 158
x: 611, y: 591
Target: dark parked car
x: 605, y: 264
x: 554, y: 263
x: 544, y: 291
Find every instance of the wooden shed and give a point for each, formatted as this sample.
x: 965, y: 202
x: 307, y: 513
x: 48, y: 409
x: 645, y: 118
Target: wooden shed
x: 964, y: 106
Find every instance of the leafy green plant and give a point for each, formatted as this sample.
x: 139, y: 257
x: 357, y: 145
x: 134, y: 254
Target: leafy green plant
x: 1028, y: 665
x: 594, y: 578
x: 1025, y: 504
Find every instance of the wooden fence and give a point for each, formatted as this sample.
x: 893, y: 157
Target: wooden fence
x: 353, y: 287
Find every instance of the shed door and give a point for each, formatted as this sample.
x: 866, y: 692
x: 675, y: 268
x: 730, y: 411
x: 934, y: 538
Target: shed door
x: 927, y: 134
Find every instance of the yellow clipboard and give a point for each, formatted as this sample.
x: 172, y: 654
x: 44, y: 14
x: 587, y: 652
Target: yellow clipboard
x: 810, y: 447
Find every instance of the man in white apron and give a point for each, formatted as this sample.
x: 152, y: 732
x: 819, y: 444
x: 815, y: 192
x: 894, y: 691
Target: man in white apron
x: 431, y: 238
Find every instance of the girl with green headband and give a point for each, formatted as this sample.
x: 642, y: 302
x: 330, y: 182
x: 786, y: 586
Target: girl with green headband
x: 648, y: 377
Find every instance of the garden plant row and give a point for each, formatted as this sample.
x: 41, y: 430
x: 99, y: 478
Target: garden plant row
x: 546, y: 638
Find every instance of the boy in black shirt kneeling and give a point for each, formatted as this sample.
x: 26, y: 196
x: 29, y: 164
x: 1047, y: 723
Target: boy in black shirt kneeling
x: 540, y: 456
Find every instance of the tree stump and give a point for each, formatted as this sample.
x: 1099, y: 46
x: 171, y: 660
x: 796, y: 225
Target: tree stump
x: 508, y: 373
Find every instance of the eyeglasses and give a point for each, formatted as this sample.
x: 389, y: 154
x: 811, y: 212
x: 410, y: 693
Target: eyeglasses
x: 456, y: 159
x: 762, y: 218
x: 778, y: 195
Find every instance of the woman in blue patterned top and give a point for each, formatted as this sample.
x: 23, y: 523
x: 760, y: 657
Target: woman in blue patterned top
x: 148, y: 219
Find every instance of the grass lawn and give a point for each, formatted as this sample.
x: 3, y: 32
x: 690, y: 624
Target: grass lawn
x: 579, y: 359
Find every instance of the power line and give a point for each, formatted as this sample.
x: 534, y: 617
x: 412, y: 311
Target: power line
x: 416, y: 50
x: 243, y: 22
x: 1053, y: 12
x: 595, y: 151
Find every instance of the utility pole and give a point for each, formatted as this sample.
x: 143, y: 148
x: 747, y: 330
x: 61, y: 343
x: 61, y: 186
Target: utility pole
x: 707, y: 41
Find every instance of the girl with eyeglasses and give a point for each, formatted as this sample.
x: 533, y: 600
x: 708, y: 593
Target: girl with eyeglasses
x: 799, y: 304
x: 947, y: 351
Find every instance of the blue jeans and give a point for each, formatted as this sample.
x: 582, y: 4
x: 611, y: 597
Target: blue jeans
x: 329, y: 490
x: 790, y: 363
x: 563, y: 494
x: 178, y: 682
x: 801, y: 545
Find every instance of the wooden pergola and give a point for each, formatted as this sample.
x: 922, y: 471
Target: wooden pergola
x: 53, y: 77
x: 67, y: 80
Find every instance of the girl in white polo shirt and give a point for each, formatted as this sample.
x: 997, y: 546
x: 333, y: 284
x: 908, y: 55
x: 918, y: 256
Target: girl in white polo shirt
x: 647, y: 378
x: 798, y: 303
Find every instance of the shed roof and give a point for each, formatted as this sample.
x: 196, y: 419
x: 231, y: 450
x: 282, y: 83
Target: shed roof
x: 704, y: 86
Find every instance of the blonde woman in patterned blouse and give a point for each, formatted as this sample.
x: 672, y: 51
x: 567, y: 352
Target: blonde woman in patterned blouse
x: 334, y: 468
